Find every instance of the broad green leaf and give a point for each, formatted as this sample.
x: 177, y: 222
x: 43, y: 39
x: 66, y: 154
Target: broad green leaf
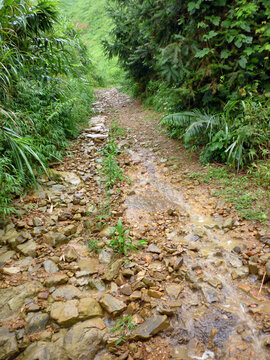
x: 243, y: 62
x: 203, y: 52
x: 225, y: 54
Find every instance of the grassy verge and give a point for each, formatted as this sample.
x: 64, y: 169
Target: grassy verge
x: 248, y: 192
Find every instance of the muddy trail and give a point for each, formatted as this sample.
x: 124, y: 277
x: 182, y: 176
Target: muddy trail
x: 197, y: 289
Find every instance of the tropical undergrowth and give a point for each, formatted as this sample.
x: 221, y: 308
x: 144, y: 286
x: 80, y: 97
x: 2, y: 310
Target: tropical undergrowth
x: 205, y: 62
x: 238, y: 136
x: 45, y: 92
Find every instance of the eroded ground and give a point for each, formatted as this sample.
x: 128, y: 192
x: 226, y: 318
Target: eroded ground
x: 197, y: 290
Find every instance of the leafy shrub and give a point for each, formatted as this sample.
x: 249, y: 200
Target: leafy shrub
x: 237, y: 141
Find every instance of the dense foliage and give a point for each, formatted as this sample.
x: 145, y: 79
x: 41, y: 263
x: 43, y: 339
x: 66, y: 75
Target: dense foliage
x: 45, y: 90
x: 209, y: 51
x: 206, y: 55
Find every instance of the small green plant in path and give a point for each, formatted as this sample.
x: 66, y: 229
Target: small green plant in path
x: 111, y: 171
x: 93, y: 245
x: 122, y: 327
x: 121, y: 242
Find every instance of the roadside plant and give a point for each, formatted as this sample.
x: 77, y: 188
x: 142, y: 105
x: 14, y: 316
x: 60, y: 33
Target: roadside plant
x: 93, y: 245
x: 122, y: 327
x: 110, y: 170
x: 121, y: 242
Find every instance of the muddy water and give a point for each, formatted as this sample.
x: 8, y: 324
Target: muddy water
x: 214, y: 312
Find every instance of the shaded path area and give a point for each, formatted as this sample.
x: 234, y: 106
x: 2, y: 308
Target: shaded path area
x: 193, y: 292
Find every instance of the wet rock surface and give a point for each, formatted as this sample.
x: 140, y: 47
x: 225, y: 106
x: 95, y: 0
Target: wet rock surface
x: 199, y: 289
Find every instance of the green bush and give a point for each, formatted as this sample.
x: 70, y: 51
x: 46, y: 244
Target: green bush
x: 239, y: 136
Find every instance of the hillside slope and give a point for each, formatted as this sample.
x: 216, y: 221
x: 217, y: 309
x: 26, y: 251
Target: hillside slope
x: 91, y: 19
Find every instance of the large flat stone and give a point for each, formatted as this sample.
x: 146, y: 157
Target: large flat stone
x: 65, y: 313
x: 36, y: 322
x: 8, y: 344
x: 67, y: 292
x: 50, y: 267
x: 44, y: 351
x: 57, y: 279
x: 113, y: 270
x: 6, y: 256
x: 112, y: 305
x: 151, y: 327
x: 28, y: 248
x: 89, y: 308
x: 84, y: 340
x: 54, y: 238
x: 12, y: 299
x: 91, y: 265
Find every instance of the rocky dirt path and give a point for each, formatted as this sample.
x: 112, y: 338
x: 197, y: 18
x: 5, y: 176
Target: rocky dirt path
x: 193, y: 292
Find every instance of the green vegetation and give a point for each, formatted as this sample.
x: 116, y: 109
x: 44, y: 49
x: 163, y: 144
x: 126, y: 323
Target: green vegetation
x: 45, y: 91
x: 110, y: 170
x: 91, y: 19
x: 121, y: 242
x: 244, y: 192
x: 93, y: 245
x: 237, y: 137
x: 122, y: 327
x: 206, y: 60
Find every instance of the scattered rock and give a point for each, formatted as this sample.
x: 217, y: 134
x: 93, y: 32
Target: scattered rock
x: 67, y: 292
x: 70, y: 254
x: 209, y: 293
x: 6, y: 256
x: 267, y: 341
x: 12, y: 270
x: 173, y: 290
x: 97, y: 284
x: 70, y: 229
x: 154, y: 293
x: 228, y: 223
x: 253, y: 268
x: 8, y: 344
x: 65, y: 313
x: 54, y: 238
x: 91, y: 265
x: 154, y: 249
x: 84, y: 340
x: 57, y: 279
x: 112, y: 271
x: 50, y: 267
x: 150, y: 327
x: 44, y: 351
x: 36, y: 322
x: 112, y: 305
x: 126, y: 289
x: 28, y: 248
x: 107, y: 231
x: 37, y: 221
x: 267, y: 268
x: 240, y: 273
x: 89, y: 308
x: 105, y: 257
